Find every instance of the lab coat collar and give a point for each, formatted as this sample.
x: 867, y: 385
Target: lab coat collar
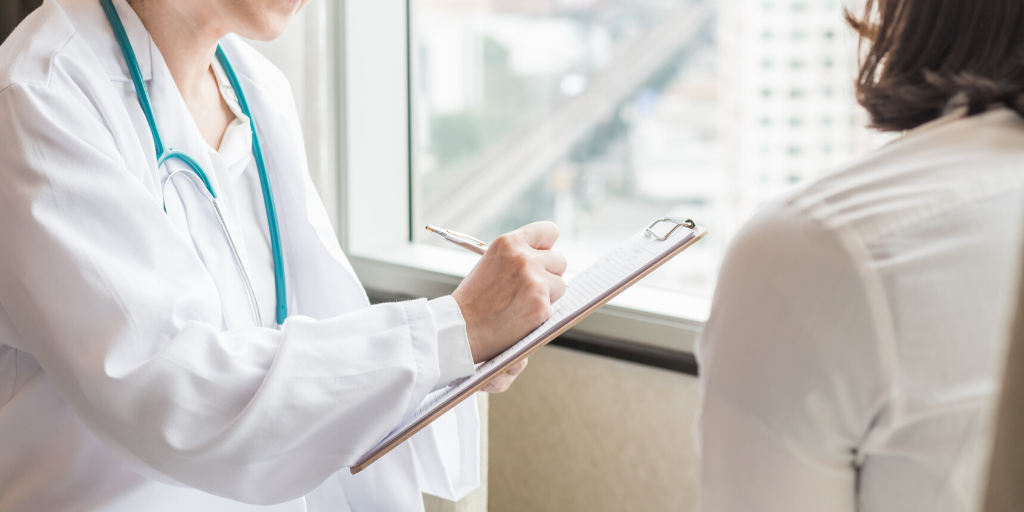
x: 177, y: 127
x: 92, y: 26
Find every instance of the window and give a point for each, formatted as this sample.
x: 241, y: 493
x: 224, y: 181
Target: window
x: 600, y: 116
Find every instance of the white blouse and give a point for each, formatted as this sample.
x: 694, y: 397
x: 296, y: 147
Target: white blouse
x: 857, y: 332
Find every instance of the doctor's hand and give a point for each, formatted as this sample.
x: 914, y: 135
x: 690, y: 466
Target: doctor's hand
x: 501, y: 383
x: 510, y: 291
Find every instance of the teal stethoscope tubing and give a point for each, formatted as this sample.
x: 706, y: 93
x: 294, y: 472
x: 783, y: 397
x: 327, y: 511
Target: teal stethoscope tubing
x: 163, y: 155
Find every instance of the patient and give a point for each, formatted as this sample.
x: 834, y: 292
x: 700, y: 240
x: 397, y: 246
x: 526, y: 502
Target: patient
x: 856, y: 338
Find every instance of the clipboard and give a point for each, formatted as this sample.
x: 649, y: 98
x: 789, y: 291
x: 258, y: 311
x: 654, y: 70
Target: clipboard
x: 629, y: 263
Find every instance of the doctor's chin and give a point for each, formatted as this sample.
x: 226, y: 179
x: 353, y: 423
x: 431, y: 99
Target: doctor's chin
x: 511, y: 256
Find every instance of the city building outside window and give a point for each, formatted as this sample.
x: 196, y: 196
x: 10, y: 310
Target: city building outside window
x: 604, y: 115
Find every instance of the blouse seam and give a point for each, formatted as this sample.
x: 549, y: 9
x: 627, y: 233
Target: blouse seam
x: 855, y: 248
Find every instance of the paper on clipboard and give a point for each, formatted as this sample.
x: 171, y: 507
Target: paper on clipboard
x: 585, y: 293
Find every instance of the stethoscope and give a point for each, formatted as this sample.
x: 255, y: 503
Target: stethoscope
x: 164, y: 154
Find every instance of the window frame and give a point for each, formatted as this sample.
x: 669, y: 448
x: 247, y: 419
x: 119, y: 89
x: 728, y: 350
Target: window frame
x: 371, y: 191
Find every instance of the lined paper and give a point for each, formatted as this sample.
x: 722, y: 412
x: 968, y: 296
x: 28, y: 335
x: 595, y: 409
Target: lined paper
x: 595, y: 284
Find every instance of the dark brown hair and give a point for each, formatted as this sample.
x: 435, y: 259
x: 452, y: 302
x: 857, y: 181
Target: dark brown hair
x: 926, y: 55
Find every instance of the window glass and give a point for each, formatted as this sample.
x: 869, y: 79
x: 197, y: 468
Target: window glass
x: 603, y: 115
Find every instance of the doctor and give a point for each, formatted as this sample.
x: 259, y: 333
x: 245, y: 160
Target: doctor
x: 179, y: 329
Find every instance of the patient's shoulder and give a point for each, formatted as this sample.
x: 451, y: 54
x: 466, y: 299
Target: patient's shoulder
x: 931, y: 171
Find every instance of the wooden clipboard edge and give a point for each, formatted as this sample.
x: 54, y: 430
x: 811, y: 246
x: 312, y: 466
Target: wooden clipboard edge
x: 699, y: 233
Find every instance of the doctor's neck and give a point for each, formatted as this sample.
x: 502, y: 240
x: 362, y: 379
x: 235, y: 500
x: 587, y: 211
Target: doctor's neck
x: 186, y: 36
x: 187, y: 33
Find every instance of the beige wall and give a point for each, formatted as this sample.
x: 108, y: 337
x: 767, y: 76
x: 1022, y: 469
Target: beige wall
x: 579, y: 432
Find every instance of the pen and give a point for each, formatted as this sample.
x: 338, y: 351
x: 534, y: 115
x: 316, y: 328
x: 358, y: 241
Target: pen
x: 460, y: 239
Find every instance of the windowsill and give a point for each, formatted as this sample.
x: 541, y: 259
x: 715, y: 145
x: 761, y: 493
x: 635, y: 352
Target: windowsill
x: 641, y: 314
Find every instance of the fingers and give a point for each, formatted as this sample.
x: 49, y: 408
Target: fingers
x: 501, y: 383
x: 540, y: 235
x: 554, y: 262
x: 556, y: 287
x: 518, y: 367
x: 510, y: 291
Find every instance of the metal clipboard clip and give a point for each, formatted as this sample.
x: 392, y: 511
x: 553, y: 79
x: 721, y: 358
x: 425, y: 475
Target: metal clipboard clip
x: 678, y: 223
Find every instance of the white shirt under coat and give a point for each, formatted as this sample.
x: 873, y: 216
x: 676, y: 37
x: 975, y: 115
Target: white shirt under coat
x: 858, y: 330
x: 131, y: 375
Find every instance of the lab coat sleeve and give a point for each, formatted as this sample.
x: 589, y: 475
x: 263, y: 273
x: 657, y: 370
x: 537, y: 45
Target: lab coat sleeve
x: 447, y: 452
x: 455, y: 358
x: 121, y: 314
x: 793, y: 370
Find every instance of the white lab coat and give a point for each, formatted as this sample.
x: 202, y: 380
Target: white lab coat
x: 130, y: 375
